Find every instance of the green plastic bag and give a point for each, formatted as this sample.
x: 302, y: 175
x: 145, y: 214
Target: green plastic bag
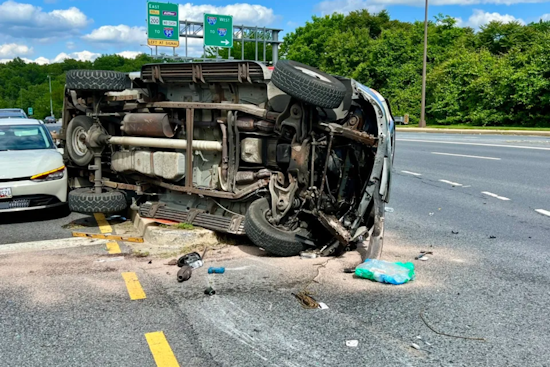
x: 385, y: 271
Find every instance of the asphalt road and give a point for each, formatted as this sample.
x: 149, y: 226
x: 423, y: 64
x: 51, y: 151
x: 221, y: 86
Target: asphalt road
x: 471, y: 200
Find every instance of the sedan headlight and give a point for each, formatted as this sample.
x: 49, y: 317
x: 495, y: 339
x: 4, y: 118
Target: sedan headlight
x: 54, y: 174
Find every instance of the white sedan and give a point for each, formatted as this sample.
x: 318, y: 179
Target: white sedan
x: 32, y: 172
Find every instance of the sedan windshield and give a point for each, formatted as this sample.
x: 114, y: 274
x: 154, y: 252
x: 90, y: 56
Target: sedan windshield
x: 24, y: 137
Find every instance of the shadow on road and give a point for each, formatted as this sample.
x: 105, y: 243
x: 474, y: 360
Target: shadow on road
x: 35, y: 215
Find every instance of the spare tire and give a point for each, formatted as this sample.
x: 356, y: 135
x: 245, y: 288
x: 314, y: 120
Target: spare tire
x: 87, y: 201
x: 308, y: 84
x: 76, y: 133
x: 100, y: 80
x: 273, y: 239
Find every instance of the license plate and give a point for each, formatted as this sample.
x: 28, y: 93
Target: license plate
x: 5, y: 192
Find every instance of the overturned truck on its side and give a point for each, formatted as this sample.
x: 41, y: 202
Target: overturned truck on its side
x: 292, y: 157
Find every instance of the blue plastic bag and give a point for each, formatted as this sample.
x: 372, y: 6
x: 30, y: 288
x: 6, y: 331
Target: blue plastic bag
x: 385, y: 271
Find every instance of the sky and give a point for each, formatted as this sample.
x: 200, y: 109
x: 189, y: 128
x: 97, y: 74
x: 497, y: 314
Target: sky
x: 48, y: 31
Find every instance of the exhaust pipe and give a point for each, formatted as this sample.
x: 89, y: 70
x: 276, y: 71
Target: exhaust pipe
x: 206, y: 145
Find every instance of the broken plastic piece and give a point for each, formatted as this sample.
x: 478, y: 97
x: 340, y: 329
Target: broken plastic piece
x: 184, y: 273
x: 389, y: 210
x: 308, y: 255
x: 386, y: 271
x: 213, y: 270
x: 209, y: 291
x: 352, y: 343
x: 415, y: 346
x: 323, y: 306
x: 192, y: 259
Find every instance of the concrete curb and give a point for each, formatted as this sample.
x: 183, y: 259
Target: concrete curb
x: 473, y: 131
x: 46, y: 245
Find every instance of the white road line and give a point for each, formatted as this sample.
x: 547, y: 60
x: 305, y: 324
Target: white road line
x: 412, y: 173
x: 477, y: 144
x: 543, y: 212
x: 451, y: 183
x: 467, y: 156
x: 495, y: 195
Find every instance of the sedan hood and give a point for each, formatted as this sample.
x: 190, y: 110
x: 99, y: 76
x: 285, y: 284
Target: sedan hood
x: 27, y: 163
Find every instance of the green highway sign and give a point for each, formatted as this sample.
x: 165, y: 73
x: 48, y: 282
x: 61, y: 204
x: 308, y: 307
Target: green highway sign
x: 30, y: 111
x: 163, y: 24
x: 218, y: 30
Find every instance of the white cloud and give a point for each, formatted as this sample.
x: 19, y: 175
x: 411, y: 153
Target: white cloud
x: 545, y: 17
x: 14, y: 50
x: 41, y: 60
x: 243, y: 13
x: 26, y: 20
x: 80, y: 56
x: 479, y: 18
x: 117, y: 34
x: 71, y: 45
x: 129, y: 54
x: 345, y: 6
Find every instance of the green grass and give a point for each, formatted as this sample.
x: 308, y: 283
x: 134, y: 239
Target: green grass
x: 184, y: 226
x: 464, y: 126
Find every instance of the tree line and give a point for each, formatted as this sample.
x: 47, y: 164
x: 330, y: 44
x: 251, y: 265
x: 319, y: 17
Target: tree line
x: 498, y: 75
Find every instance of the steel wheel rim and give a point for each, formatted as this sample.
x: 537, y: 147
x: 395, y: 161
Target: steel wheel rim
x: 79, y: 135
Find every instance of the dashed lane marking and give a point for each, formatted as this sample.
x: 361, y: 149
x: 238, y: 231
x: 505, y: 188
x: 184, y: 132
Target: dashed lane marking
x: 468, y: 156
x: 451, y: 183
x: 104, y: 226
x: 113, y: 247
x: 412, y: 173
x: 134, y: 287
x: 543, y: 212
x: 495, y: 195
x: 160, y: 349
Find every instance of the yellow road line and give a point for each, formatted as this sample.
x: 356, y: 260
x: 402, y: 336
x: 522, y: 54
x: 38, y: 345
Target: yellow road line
x: 134, y: 287
x: 104, y: 226
x: 111, y: 237
x: 160, y: 349
x: 113, y: 247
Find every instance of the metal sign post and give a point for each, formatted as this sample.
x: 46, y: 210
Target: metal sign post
x: 162, y: 24
x: 218, y: 30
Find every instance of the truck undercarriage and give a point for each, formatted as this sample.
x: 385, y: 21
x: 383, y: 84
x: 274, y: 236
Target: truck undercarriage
x: 294, y: 158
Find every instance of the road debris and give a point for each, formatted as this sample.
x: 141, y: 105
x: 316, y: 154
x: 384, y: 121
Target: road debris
x: 306, y: 300
x: 423, y: 254
x: 172, y: 262
x: 445, y: 334
x: 209, y: 291
x: 323, y: 306
x: 116, y: 217
x: 184, y: 273
x: 192, y: 259
x: 423, y: 258
x: 308, y: 255
x: 119, y: 258
x: 431, y: 214
x: 216, y: 270
x: 492, y: 237
x: 352, y: 343
x: 453, y: 232
x: 415, y: 346
x: 385, y: 271
x: 349, y: 270
x: 389, y: 210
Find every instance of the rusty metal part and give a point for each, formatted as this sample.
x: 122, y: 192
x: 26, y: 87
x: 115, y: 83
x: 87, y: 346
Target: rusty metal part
x: 331, y: 139
x: 358, y: 136
x: 225, y: 154
x: 244, y: 177
x: 124, y: 186
x: 189, y: 119
x: 184, y: 273
x: 281, y: 197
x: 299, y: 161
x: 233, y: 224
x: 246, y: 108
x: 148, y: 124
x: 335, y: 227
x: 251, y: 124
x: 210, y: 193
x: 306, y: 300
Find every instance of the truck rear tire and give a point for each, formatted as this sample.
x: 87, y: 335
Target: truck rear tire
x: 96, y: 80
x: 87, y: 201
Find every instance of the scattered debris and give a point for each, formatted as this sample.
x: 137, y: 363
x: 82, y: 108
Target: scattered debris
x: 172, y: 262
x: 323, y: 306
x: 431, y: 214
x: 119, y: 258
x: 385, y: 271
x: 423, y: 258
x: 209, y: 291
x: 150, y: 262
x: 423, y: 254
x: 389, y: 210
x: 352, y: 343
x: 139, y: 253
x: 306, y: 300
x: 428, y: 344
x: 445, y: 334
x: 453, y: 232
x: 349, y: 270
x: 415, y: 346
x: 192, y: 259
x: 308, y: 255
x: 116, y: 217
x: 184, y: 273
x: 492, y: 237
x: 218, y: 270
x: 418, y: 337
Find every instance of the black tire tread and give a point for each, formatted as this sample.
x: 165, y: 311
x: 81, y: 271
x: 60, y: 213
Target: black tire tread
x: 86, y: 201
x: 275, y: 241
x: 307, y: 88
x: 101, y: 80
